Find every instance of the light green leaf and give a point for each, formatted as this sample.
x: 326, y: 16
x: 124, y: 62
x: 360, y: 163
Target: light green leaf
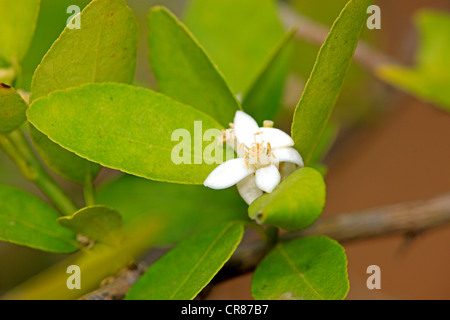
x: 98, y: 223
x: 12, y: 109
x: 313, y: 268
x: 140, y: 200
x: 183, y: 272
x: 325, y: 82
x: 129, y: 129
x: 239, y: 36
x: 105, y: 50
x: 184, y: 71
x: 7, y: 75
x: 17, y: 23
x: 430, y: 78
x: 295, y: 204
x: 63, y: 162
x: 28, y: 221
x: 263, y: 99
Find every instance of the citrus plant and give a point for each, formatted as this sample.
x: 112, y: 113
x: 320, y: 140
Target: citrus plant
x: 85, y: 112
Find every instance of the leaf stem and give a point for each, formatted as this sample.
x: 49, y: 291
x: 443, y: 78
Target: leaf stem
x: 18, y: 149
x: 271, y: 236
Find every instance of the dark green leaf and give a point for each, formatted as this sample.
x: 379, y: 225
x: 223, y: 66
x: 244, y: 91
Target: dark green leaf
x: 102, y: 50
x: 325, y: 82
x: 183, y: 69
x: 313, y: 268
x: 28, y: 221
x: 183, y: 272
x: 239, y: 35
x: 127, y: 128
x: 295, y: 204
x: 12, y: 109
x: 182, y: 209
x: 326, y: 141
x: 263, y: 98
x: 430, y: 78
x: 98, y: 223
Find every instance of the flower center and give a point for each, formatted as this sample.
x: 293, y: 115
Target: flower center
x: 258, y: 154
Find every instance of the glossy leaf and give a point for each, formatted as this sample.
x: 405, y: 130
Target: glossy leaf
x: 97, y: 223
x: 184, y: 71
x: 17, y: 23
x: 295, y: 204
x: 430, y: 78
x: 182, y: 209
x: 313, y: 268
x: 240, y: 36
x: 263, y: 98
x: 126, y: 128
x: 12, y: 109
x: 28, y: 221
x: 183, y: 272
x: 325, y: 82
x: 105, y: 51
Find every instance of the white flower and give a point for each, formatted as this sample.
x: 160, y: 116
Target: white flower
x: 260, y: 152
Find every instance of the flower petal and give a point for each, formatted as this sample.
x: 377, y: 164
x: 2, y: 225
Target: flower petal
x: 245, y: 128
x: 267, y: 178
x: 227, y: 174
x: 276, y: 137
x: 288, y: 155
x: 248, y: 190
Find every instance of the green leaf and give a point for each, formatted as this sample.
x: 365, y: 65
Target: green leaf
x: 12, y: 109
x: 105, y: 51
x: 97, y: 222
x: 96, y: 264
x: 263, y: 99
x: 7, y: 75
x: 324, y: 144
x: 295, y: 204
x: 127, y: 128
x: 63, y: 162
x: 325, y: 82
x: 430, y: 78
x: 196, y: 208
x: 313, y: 268
x: 51, y: 22
x: 183, y: 272
x: 239, y: 36
x: 28, y: 221
x: 184, y: 71
x: 17, y: 23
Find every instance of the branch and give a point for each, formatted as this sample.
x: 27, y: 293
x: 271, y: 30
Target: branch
x: 17, y: 148
x: 407, y: 218
x: 316, y: 33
